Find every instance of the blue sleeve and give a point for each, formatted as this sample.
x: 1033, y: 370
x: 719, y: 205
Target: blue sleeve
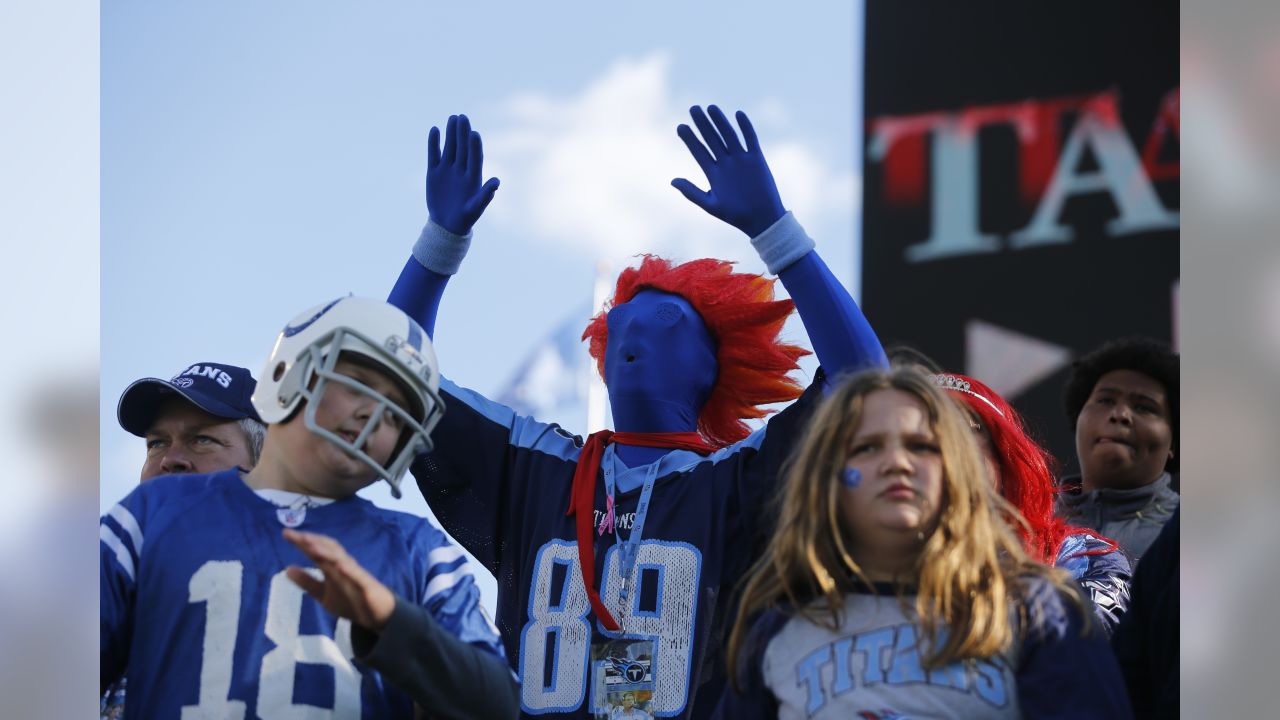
x: 451, y: 596
x: 468, y: 478
x: 752, y: 699
x: 1146, y: 642
x: 1102, y: 571
x: 418, y: 292
x: 754, y: 703
x: 765, y: 454
x: 1066, y: 668
x: 485, y: 460
x: 465, y: 478
x: 441, y: 640
x: 120, y: 539
x: 747, y: 475
x: 842, y: 338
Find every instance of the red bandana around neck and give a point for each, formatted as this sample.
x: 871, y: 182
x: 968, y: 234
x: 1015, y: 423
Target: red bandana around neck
x: 583, y: 497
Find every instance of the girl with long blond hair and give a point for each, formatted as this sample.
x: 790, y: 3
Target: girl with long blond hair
x: 894, y: 588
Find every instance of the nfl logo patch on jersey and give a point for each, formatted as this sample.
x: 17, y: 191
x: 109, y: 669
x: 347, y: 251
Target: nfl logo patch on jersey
x: 291, y: 517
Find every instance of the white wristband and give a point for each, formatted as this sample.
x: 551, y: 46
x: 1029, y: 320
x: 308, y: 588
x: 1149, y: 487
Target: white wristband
x: 439, y: 250
x: 783, y: 243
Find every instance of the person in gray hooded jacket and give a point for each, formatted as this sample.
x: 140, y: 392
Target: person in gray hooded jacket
x: 1122, y: 401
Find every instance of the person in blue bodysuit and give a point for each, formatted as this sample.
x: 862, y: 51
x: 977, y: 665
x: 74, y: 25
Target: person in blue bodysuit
x: 668, y: 511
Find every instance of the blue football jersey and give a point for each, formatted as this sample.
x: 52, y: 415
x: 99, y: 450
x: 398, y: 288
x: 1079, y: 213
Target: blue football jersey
x: 500, y: 484
x: 196, y: 604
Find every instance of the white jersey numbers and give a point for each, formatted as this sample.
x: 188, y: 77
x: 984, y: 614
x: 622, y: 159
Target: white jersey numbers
x: 662, y: 604
x: 218, y: 585
x: 275, y: 685
x: 555, y: 645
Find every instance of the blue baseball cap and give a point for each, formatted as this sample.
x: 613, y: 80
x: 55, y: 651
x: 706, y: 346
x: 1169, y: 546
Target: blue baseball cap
x: 220, y: 390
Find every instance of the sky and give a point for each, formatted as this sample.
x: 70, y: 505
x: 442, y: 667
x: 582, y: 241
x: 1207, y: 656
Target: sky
x: 261, y: 158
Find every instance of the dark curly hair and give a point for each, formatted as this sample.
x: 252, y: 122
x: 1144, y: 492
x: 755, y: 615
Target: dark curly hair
x: 1152, y: 358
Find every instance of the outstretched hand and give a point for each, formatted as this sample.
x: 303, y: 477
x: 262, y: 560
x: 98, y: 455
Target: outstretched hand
x: 455, y: 197
x: 347, y: 589
x: 742, y: 192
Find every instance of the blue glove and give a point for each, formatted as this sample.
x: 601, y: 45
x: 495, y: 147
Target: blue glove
x: 743, y: 192
x: 455, y: 197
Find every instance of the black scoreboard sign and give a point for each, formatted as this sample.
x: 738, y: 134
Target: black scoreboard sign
x: 1020, y: 176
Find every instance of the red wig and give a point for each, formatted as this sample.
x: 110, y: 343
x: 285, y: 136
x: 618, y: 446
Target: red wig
x: 1026, y: 478
x: 744, y: 321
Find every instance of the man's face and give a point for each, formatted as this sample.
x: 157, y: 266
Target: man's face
x: 1123, y: 435
x: 184, y: 439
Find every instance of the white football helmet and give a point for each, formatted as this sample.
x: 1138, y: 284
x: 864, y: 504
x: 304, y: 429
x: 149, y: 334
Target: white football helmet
x: 301, y: 367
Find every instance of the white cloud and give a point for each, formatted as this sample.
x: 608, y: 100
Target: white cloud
x: 591, y: 171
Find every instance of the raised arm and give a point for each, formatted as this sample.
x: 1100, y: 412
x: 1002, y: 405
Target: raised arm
x: 743, y: 193
x: 456, y: 198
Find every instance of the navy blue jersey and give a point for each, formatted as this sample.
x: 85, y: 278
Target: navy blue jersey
x: 870, y: 667
x: 500, y: 484
x: 195, y: 602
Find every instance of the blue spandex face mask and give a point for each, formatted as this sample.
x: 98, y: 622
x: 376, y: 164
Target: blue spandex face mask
x: 659, y: 363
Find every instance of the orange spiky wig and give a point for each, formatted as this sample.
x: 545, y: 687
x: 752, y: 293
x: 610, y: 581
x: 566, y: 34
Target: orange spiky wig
x: 744, y: 321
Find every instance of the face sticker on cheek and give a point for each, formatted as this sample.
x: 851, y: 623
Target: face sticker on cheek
x: 851, y: 478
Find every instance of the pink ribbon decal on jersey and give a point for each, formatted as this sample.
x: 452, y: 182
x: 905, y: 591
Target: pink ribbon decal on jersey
x: 606, y: 525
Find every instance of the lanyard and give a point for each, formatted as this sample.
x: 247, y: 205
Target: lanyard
x: 630, y: 548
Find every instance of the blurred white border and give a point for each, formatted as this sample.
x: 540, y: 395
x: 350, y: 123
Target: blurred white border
x: 48, y: 424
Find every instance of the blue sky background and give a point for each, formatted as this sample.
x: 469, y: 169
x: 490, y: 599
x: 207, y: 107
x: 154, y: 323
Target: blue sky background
x: 259, y: 158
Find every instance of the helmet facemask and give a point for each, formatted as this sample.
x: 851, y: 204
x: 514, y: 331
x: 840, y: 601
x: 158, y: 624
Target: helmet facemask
x: 401, y: 363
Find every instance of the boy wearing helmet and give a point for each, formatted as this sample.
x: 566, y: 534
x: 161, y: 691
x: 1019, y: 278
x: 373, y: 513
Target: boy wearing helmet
x: 278, y: 591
